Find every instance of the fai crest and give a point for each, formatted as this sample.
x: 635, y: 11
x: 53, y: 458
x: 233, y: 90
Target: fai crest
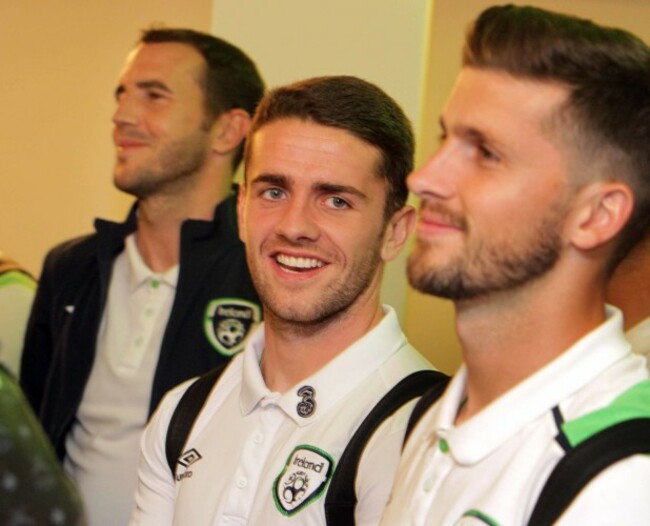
x: 303, y: 479
x: 228, y: 322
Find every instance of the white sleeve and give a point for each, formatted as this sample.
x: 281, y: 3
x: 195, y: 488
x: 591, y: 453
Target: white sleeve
x: 155, y: 496
x: 619, y: 495
x: 378, y: 467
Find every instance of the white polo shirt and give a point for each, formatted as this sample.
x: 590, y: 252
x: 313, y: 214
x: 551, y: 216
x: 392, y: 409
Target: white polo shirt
x: 103, y: 445
x: 265, y: 458
x: 491, y: 468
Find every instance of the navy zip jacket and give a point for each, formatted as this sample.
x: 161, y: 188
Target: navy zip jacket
x: 214, y: 310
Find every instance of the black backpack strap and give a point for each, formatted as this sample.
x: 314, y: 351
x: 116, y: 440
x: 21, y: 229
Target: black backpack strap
x: 582, y: 463
x: 188, y: 408
x: 429, y: 398
x: 341, y: 498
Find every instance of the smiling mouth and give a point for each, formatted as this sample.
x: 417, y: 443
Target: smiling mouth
x: 298, y: 264
x: 438, y: 216
x: 126, y: 145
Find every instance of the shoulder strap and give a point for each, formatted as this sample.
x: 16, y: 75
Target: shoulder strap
x: 341, y: 498
x: 188, y: 408
x: 429, y: 398
x: 582, y: 463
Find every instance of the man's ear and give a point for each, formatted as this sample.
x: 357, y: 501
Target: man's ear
x: 602, y: 211
x: 229, y: 130
x: 398, y: 229
x: 241, y: 209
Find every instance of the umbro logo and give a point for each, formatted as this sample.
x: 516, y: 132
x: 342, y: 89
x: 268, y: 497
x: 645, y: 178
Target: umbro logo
x: 191, y: 456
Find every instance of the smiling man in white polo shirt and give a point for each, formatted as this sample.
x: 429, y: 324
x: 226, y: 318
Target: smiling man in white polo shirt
x: 322, y: 209
x: 541, y: 183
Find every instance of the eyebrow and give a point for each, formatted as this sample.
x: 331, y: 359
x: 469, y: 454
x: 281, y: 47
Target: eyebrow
x: 340, y: 189
x: 145, y: 84
x: 275, y: 179
x: 330, y: 188
x: 467, y: 132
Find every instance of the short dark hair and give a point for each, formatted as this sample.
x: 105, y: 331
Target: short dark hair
x: 358, y: 107
x: 607, y: 72
x: 231, y: 78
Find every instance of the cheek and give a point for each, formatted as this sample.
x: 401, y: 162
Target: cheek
x: 169, y: 124
x: 499, y: 206
x: 362, y: 241
x: 256, y: 227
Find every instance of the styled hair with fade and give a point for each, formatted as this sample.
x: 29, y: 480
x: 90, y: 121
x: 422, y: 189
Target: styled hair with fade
x: 231, y: 78
x: 358, y: 107
x: 606, y: 118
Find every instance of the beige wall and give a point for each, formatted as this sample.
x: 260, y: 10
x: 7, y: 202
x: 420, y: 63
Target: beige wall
x: 60, y: 61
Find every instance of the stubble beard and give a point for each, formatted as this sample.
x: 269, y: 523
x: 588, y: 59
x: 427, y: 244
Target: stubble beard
x: 310, y: 314
x: 173, y: 168
x: 488, y: 268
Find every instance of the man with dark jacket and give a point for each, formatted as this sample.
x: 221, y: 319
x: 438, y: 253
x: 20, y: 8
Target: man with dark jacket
x: 126, y: 313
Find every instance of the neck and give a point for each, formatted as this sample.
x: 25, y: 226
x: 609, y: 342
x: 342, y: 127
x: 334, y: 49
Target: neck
x: 629, y: 287
x: 294, y: 351
x: 160, y: 218
x: 508, y: 336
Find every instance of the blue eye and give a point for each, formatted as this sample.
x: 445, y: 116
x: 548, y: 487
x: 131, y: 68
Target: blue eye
x: 337, y: 202
x: 273, y: 193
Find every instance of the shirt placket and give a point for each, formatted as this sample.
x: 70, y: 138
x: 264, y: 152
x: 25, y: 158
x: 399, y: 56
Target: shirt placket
x: 435, y: 471
x: 255, y: 455
x: 150, y: 310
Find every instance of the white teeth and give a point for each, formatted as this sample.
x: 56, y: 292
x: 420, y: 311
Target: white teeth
x: 302, y: 263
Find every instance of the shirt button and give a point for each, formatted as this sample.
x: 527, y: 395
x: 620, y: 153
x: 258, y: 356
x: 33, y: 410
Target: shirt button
x: 258, y: 438
x: 429, y: 484
x: 242, y: 483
